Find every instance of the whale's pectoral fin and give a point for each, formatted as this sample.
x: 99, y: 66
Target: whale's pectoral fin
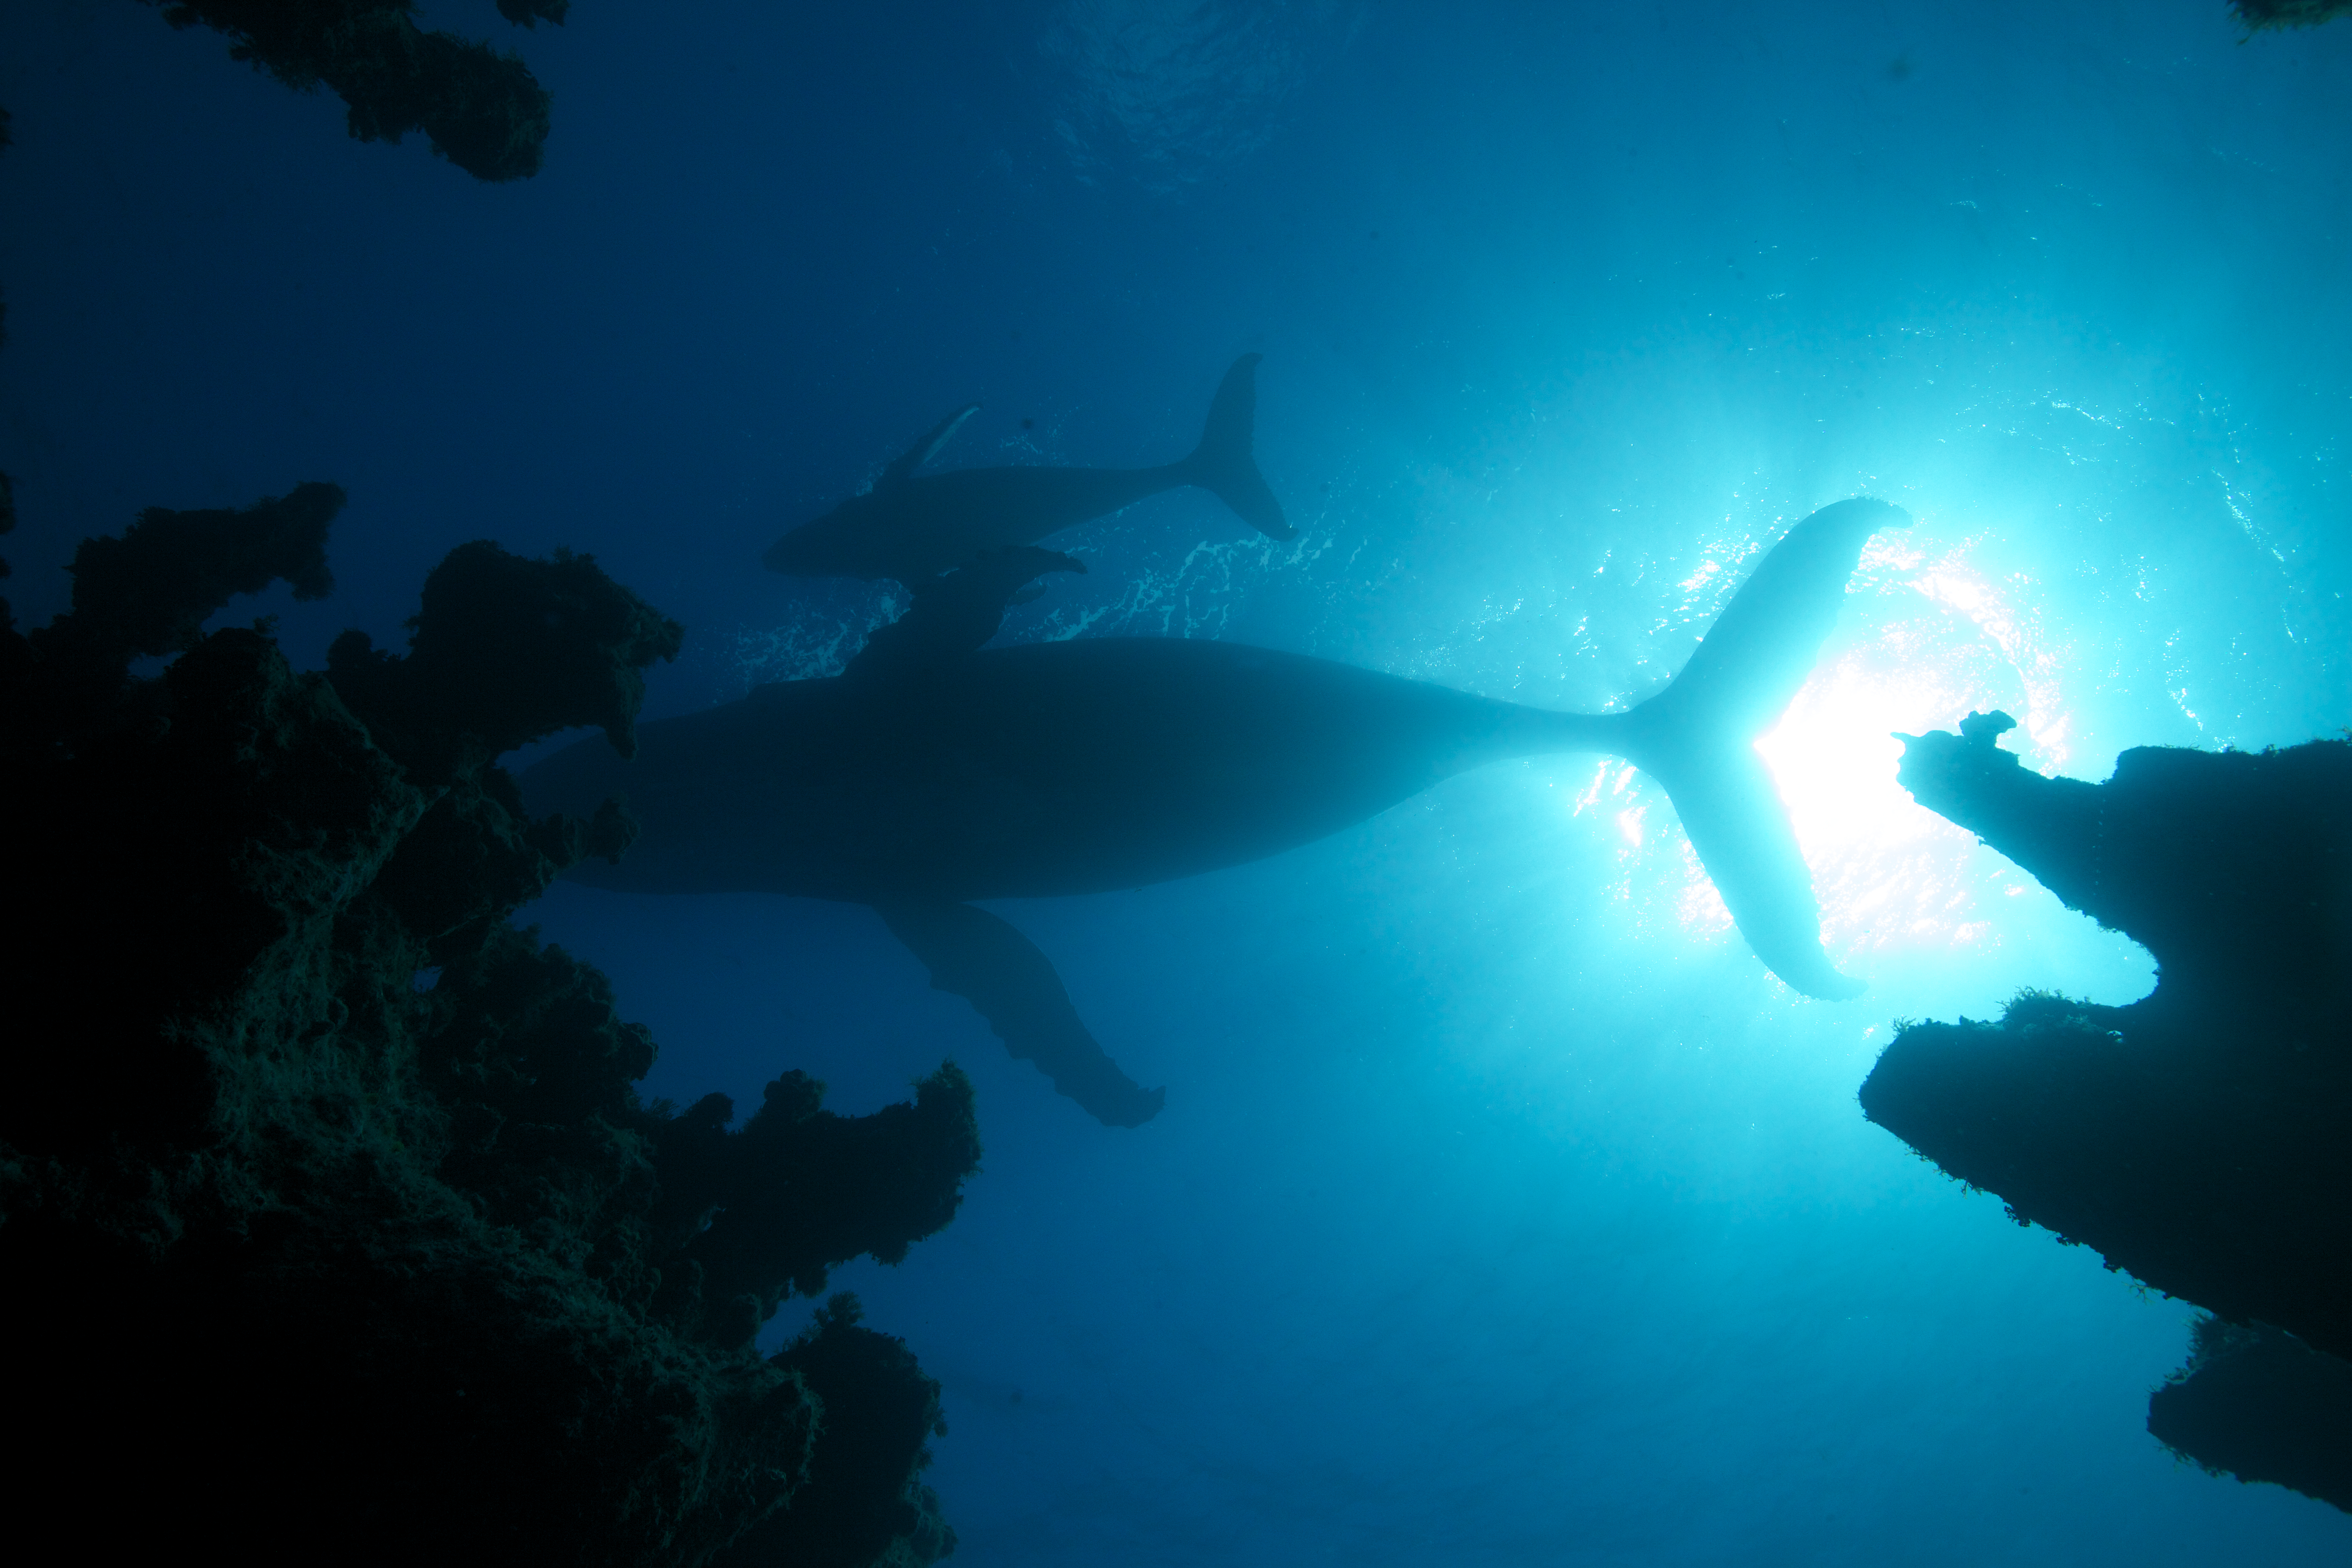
x: 924, y: 450
x: 956, y: 613
x: 978, y: 957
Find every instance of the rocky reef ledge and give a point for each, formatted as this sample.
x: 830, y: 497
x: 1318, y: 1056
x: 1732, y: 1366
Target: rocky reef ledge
x: 482, y: 109
x: 334, y: 1228
x: 2196, y: 1138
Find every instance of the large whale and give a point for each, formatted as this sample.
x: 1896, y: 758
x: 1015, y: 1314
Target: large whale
x: 913, y: 526
x: 934, y: 772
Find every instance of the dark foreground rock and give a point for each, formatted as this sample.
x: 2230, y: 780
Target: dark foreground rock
x: 2257, y: 1404
x: 333, y: 1225
x: 481, y: 109
x: 2259, y: 15
x: 2194, y: 1137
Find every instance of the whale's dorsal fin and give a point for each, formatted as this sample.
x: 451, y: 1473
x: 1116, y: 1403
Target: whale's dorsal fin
x: 923, y: 451
x: 972, y: 955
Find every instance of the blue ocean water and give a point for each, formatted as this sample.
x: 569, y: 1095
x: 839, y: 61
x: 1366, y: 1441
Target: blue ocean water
x: 1504, y: 1208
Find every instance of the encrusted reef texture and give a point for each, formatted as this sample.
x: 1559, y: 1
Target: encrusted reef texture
x: 2195, y: 1137
x: 325, y: 1195
x: 482, y: 109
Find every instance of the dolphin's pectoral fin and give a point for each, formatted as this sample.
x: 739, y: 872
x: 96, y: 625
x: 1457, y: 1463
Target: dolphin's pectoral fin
x: 924, y: 450
x: 956, y: 613
x: 978, y: 957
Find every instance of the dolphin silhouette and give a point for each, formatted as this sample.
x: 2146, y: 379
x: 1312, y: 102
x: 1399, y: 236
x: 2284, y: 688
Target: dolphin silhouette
x: 933, y: 771
x: 913, y: 526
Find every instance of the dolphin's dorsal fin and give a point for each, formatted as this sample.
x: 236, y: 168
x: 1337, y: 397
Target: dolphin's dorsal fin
x: 924, y: 450
x: 972, y: 955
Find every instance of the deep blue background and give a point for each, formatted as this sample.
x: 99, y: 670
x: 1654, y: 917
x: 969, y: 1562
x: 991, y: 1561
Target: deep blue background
x: 1504, y: 1209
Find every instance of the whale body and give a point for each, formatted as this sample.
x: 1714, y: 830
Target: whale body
x: 912, y: 526
x: 926, y: 776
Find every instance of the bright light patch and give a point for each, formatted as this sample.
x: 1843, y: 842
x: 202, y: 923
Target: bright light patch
x: 1699, y: 579
x: 1888, y: 871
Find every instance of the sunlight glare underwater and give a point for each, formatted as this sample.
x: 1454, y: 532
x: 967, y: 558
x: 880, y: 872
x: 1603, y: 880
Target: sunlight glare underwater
x: 1938, y: 637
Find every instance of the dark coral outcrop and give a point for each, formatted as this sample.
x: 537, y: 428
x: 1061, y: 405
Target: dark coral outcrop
x: 482, y: 109
x: 2194, y: 1137
x: 326, y: 1190
x: 8, y: 485
x: 850, y: 1512
x: 2259, y: 15
x: 2258, y: 1403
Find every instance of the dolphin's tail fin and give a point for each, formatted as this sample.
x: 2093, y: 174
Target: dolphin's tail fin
x: 1224, y: 462
x: 1698, y: 737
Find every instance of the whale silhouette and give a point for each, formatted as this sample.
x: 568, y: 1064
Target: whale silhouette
x: 933, y: 771
x: 913, y: 526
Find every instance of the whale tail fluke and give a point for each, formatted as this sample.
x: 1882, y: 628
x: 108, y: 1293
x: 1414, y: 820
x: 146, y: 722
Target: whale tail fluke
x: 1698, y: 737
x: 1740, y: 830
x: 1224, y: 461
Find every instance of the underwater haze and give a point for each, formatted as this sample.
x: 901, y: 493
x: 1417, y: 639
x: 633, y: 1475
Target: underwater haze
x: 1504, y: 1208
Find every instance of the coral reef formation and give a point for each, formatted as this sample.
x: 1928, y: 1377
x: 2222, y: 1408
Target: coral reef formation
x: 483, y: 111
x: 2262, y: 1405
x: 8, y: 485
x: 325, y: 1190
x: 2193, y: 1138
x: 2258, y: 15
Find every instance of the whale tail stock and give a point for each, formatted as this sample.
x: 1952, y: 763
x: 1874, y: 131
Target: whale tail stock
x: 1224, y: 461
x: 1698, y: 737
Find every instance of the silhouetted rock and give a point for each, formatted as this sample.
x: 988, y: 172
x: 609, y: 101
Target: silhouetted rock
x: 502, y: 652
x: 2255, y: 1403
x: 7, y: 487
x: 850, y: 1512
x: 2258, y: 15
x: 2194, y: 1137
x: 325, y: 1190
x: 148, y: 593
x: 482, y: 109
